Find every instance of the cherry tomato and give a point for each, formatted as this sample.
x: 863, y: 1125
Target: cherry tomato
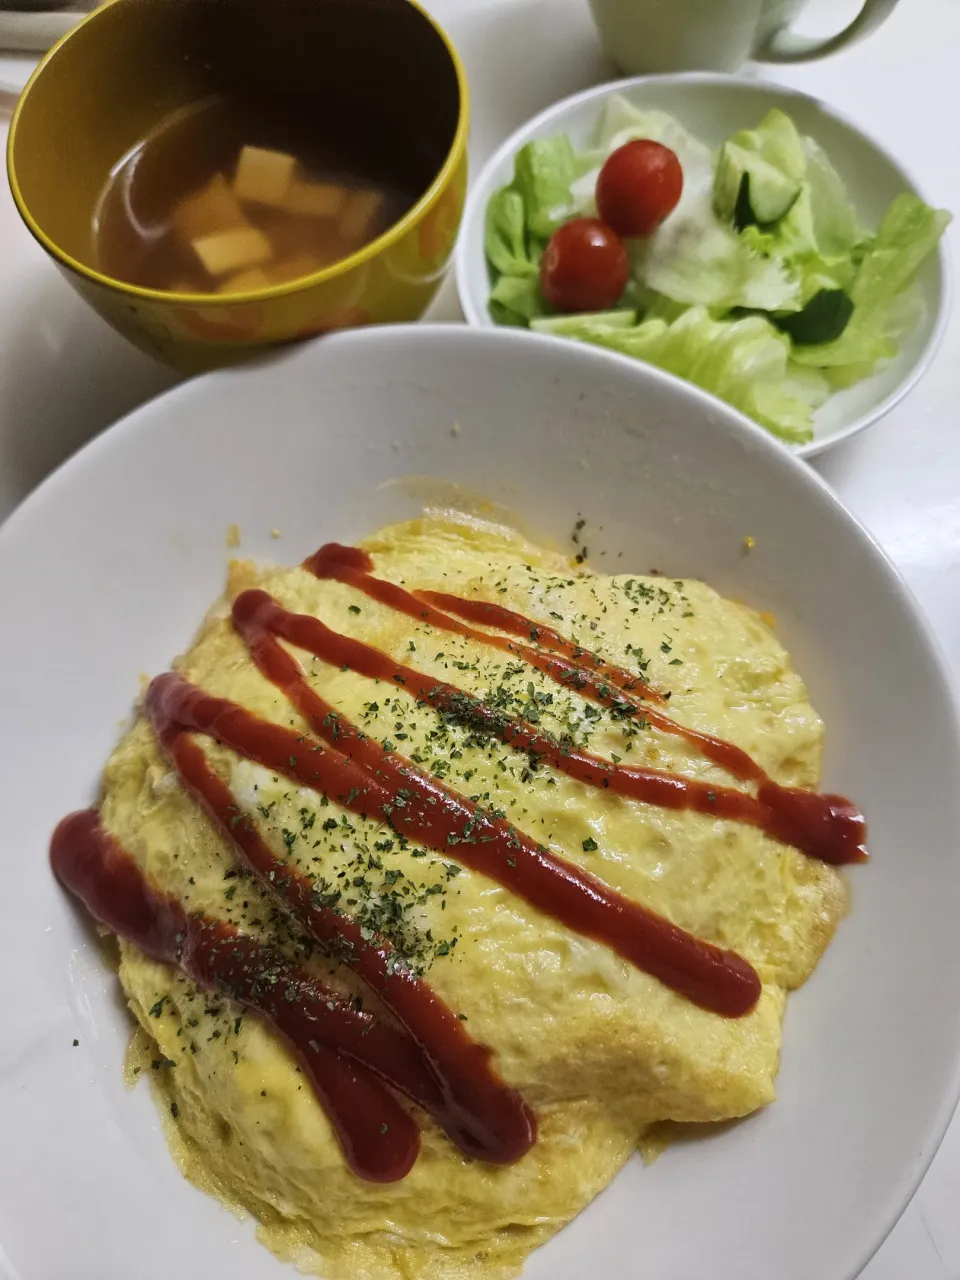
x: 640, y: 183
x: 584, y: 266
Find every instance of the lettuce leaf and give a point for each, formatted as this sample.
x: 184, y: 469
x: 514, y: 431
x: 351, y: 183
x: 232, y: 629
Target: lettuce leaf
x: 835, y: 226
x: 516, y: 300
x: 908, y: 233
x: 543, y: 172
x: 694, y: 259
x: 505, y: 235
x: 745, y: 362
x: 882, y: 313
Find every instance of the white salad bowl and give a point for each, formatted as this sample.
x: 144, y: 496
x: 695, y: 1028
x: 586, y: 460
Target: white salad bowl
x: 712, y: 107
x: 106, y: 571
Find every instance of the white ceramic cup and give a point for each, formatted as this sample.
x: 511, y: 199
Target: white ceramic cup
x: 716, y: 35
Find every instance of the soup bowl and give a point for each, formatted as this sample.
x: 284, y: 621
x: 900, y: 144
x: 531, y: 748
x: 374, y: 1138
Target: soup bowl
x: 134, y: 64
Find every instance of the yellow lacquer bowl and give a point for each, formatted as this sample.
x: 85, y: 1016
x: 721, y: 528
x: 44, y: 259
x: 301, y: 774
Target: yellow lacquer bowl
x: 133, y: 63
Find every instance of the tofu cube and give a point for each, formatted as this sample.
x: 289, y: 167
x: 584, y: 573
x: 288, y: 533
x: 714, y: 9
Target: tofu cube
x: 358, y: 217
x: 245, y: 281
x: 229, y: 251
x: 213, y: 208
x: 263, y: 177
x: 315, y: 199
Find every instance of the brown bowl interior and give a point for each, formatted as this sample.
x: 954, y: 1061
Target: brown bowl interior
x: 378, y: 69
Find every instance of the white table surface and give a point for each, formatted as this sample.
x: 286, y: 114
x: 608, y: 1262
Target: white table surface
x: 64, y: 375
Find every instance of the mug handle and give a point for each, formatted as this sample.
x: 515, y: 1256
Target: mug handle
x: 787, y: 46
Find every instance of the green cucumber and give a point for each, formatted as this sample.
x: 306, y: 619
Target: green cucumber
x: 823, y: 319
x: 747, y: 190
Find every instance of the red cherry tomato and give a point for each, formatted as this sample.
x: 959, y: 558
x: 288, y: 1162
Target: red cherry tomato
x: 640, y: 183
x: 584, y: 266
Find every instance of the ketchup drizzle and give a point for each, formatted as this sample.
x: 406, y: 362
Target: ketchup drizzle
x: 341, y: 1050
x: 586, y: 674
x: 827, y: 827
x: 483, y: 1116
x: 470, y: 1102
x: 441, y: 818
x: 515, y: 624
x: 351, y: 1057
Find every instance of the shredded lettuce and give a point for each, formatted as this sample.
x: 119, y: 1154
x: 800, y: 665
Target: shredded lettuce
x: 745, y: 362
x: 707, y: 291
x: 881, y: 313
x: 515, y: 298
x: 696, y: 260
x: 909, y: 231
x: 834, y: 223
x: 543, y: 173
x: 506, y: 234
x: 518, y: 299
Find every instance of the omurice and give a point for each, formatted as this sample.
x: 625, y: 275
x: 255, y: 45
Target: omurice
x: 446, y: 870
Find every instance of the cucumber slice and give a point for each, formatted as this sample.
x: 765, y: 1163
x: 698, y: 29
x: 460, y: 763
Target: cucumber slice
x: 748, y: 190
x: 823, y: 319
x: 574, y: 324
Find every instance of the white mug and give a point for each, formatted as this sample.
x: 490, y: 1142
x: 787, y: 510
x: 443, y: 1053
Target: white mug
x: 716, y: 35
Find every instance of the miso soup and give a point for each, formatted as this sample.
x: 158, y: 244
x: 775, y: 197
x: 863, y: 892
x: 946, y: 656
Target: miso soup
x: 228, y: 198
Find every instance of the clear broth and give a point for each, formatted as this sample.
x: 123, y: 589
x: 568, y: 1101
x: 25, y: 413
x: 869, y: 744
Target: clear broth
x: 318, y: 199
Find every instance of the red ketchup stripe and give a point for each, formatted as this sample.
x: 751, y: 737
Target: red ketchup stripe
x: 479, y: 1113
x: 341, y: 1050
x: 593, y: 678
x: 344, y: 564
x: 423, y: 809
x: 827, y: 827
x: 515, y: 624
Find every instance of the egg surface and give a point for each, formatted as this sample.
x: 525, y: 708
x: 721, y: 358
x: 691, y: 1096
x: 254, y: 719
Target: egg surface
x: 600, y: 1050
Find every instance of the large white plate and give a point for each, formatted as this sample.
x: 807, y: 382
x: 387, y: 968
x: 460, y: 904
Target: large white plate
x: 107, y: 569
x: 713, y: 107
